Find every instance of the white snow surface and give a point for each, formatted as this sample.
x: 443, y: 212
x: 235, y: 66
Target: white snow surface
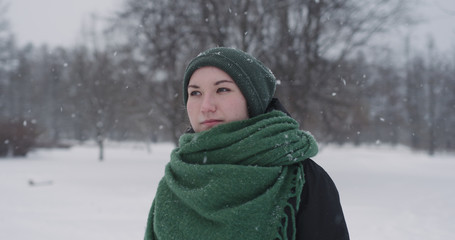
x: 386, y: 192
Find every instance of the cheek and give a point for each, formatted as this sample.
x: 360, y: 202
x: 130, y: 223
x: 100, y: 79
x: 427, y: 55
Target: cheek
x: 239, y: 107
x: 191, y: 109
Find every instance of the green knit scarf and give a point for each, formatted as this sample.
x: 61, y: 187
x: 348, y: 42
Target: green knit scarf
x: 233, y: 181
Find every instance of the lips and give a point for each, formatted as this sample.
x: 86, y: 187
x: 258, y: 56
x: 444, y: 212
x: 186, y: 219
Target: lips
x: 211, y: 122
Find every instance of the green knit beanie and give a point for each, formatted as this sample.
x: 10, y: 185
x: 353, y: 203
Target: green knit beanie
x: 256, y: 82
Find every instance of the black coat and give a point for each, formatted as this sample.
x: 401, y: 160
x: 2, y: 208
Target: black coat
x: 320, y: 216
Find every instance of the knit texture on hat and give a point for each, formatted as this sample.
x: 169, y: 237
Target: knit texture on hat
x: 256, y: 82
x: 233, y: 182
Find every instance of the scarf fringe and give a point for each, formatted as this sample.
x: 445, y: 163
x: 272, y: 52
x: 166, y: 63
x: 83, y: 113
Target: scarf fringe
x: 295, y: 192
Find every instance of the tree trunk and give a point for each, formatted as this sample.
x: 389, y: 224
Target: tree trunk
x: 101, y: 149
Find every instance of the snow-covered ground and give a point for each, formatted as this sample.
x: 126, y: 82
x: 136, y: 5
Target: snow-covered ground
x: 386, y: 192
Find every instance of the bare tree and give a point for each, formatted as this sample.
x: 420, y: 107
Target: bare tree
x: 7, y: 60
x: 437, y: 82
x: 315, y: 42
x: 99, y: 95
x: 162, y: 40
x: 304, y: 43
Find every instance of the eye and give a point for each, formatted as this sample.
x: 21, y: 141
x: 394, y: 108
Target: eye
x: 195, y: 93
x: 219, y: 90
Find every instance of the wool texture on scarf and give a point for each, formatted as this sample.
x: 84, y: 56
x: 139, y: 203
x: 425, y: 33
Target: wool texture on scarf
x: 233, y: 181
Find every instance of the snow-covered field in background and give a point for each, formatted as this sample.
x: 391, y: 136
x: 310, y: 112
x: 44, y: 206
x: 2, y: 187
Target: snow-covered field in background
x: 386, y: 192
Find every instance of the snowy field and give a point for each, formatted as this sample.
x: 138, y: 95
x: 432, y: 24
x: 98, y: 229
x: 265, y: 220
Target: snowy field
x: 387, y: 193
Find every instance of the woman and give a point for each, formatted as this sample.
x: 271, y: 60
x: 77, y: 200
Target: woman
x: 242, y: 171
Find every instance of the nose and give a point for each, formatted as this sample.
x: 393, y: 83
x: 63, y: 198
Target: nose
x: 208, y: 103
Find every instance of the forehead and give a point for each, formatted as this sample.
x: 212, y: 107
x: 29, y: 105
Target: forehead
x: 209, y: 74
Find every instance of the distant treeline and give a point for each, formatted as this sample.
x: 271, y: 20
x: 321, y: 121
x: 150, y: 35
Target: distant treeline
x: 124, y: 82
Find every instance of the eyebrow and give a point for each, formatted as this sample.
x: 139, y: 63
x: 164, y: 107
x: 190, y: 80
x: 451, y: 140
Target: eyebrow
x: 223, y: 81
x: 216, y: 83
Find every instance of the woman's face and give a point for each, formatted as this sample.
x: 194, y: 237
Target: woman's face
x: 213, y: 99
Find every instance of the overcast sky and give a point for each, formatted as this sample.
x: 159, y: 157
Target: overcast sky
x: 54, y: 22
x: 58, y: 22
